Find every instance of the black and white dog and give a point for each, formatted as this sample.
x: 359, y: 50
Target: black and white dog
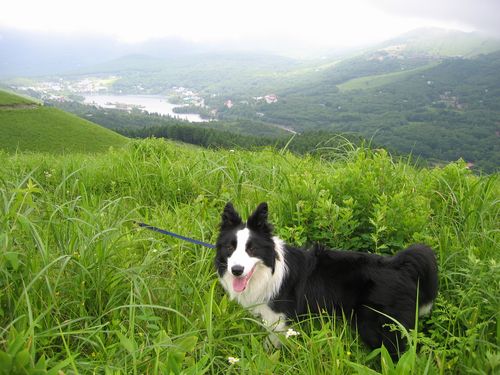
x: 281, y: 283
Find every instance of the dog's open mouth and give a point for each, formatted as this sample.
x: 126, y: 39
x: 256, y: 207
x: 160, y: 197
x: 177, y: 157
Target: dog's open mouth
x: 240, y: 283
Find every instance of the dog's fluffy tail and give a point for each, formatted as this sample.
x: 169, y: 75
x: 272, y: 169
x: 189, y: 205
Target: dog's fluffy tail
x: 420, y: 261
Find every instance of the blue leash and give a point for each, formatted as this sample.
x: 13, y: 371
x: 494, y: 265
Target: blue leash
x: 162, y: 231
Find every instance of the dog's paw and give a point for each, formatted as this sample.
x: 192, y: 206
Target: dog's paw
x: 272, y: 342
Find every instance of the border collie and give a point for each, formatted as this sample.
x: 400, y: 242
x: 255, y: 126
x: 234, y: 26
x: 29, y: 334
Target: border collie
x: 282, y: 283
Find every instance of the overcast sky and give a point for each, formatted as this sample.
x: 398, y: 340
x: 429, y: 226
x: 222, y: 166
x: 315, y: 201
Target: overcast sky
x: 318, y: 23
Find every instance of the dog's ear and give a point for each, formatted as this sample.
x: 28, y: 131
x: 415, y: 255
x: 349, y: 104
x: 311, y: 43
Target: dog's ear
x: 230, y: 217
x: 258, y: 220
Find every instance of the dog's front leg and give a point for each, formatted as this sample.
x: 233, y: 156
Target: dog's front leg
x: 274, y: 336
x: 274, y: 321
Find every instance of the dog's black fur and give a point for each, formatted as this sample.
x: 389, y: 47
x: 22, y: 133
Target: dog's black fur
x: 360, y: 285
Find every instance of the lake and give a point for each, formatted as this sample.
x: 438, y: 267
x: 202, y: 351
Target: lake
x: 149, y: 103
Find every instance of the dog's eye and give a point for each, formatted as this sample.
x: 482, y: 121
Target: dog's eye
x: 250, y: 250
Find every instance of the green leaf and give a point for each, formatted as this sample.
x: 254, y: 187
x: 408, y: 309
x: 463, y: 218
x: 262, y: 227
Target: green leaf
x: 13, y: 260
x: 16, y: 341
x: 406, y: 363
x: 22, y: 358
x: 373, y: 354
x: 128, y: 343
x: 386, y: 361
x: 186, y: 344
x: 275, y: 357
x: 362, y: 369
x: 41, y: 363
x: 174, y: 361
x: 162, y: 338
x: 5, y: 363
x: 198, y: 368
x: 55, y: 369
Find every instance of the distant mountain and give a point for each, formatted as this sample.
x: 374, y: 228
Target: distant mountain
x: 218, y: 72
x: 196, y: 63
x: 421, y: 48
x: 31, y: 54
x: 441, y: 42
x: 29, y: 126
x: 243, y: 73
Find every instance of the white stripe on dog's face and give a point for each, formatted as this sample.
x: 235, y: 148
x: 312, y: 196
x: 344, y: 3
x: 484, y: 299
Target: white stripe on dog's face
x: 240, y: 257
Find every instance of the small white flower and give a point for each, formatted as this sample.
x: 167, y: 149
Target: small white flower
x: 233, y: 360
x: 231, y: 150
x: 291, y: 333
x: 154, y: 250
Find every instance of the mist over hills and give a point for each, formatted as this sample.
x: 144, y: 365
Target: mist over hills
x: 443, y: 42
x: 32, y: 54
x: 25, y: 53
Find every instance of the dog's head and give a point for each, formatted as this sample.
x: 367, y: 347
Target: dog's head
x: 244, y: 249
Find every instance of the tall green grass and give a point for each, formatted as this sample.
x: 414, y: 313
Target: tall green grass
x: 82, y: 290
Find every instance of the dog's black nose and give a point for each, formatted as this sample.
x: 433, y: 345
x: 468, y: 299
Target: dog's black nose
x: 237, y: 270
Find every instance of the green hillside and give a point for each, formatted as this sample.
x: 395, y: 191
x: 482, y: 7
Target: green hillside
x: 27, y: 126
x: 85, y: 291
x: 432, y: 44
x: 9, y: 99
x: 439, y: 111
x: 374, y: 81
x: 222, y: 72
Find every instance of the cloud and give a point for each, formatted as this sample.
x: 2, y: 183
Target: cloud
x: 481, y: 15
x: 294, y: 24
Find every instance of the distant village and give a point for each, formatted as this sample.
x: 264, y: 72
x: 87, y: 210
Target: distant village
x: 187, y: 96
x: 60, y: 89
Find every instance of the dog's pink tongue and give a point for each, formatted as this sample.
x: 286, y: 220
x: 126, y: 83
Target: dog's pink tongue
x: 240, y: 283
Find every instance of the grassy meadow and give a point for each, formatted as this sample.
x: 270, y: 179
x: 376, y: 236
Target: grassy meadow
x: 83, y: 290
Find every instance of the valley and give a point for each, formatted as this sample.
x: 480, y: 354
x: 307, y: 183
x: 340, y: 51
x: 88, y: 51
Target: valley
x: 413, y: 95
